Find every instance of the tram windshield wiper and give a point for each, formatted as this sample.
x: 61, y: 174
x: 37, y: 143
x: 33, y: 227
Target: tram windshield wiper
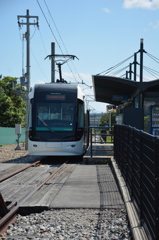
x: 45, y: 124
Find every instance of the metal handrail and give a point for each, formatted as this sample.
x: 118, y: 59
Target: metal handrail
x: 97, y: 136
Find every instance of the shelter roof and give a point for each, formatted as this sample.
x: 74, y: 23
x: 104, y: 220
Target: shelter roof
x: 115, y: 90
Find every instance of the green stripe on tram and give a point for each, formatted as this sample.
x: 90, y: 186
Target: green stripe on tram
x: 54, y: 129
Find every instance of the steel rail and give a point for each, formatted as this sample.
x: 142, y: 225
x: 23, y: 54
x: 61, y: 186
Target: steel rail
x: 18, y: 171
x: 8, y: 218
x: 14, y: 206
x: 52, y: 174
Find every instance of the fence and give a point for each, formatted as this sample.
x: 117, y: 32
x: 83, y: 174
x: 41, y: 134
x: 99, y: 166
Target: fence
x: 100, y: 135
x: 8, y: 135
x: 137, y: 155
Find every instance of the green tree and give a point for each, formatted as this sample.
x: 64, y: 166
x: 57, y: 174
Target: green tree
x: 105, y: 119
x: 12, y: 106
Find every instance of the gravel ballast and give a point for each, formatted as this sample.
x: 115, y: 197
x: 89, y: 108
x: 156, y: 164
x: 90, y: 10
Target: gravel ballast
x: 8, y: 152
x: 68, y: 224
x: 65, y: 224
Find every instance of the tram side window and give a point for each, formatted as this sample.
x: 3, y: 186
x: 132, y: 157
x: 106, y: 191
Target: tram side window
x: 80, y: 114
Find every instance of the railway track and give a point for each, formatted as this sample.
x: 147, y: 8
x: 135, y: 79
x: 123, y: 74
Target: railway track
x: 9, y: 175
x: 9, y: 208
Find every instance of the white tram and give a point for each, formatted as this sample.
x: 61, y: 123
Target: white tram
x: 58, y: 124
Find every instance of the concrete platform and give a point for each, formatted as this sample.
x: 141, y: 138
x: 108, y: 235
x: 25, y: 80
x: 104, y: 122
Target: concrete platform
x: 89, y: 186
x: 104, y: 150
x: 78, y: 186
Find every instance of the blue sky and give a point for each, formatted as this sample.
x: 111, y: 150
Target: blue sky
x: 101, y: 33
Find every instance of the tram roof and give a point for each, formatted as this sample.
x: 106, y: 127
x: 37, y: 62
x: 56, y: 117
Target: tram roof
x: 115, y: 90
x: 50, y: 86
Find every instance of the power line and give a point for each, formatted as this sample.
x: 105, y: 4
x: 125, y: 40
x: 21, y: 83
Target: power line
x: 28, y: 23
x: 60, y: 39
x: 53, y: 32
x: 49, y: 25
x: 55, y: 26
x: 39, y: 65
x: 43, y: 42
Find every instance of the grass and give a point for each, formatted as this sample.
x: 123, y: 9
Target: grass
x: 109, y: 139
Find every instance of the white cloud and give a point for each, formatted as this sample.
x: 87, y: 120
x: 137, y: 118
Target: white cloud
x: 147, y: 4
x: 155, y: 25
x: 106, y: 10
x: 37, y: 82
x: 152, y: 25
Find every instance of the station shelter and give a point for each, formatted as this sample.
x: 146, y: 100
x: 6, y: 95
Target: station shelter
x: 137, y: 103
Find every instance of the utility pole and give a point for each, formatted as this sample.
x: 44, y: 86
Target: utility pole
x: 130, y: 70
x: 135, y: 64
x: 27, y: 75
x: 127, y: 77
x: 52, y: 62
x: 141, y: 59
x: 142, y: 51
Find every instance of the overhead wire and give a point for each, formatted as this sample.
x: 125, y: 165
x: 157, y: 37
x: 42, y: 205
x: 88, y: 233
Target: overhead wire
x: 39, y: 66
x: 33, y: 34
x: 49, y: 26
x: 43, y: 42
x: 23, y: 55
x: 56, y: 26
x: 54, y: 34
x: 60, y: 39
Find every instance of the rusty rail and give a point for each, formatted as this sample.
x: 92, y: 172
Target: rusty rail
x: 18, y: 171
x: 9, y: 212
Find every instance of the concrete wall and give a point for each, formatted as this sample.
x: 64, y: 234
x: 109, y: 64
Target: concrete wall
x: 8, y: 135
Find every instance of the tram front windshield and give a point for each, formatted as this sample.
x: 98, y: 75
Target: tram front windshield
x: 55, y: 116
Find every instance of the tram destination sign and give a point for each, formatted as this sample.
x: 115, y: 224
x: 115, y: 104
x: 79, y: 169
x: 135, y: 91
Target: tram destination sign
x: 55, y: 97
